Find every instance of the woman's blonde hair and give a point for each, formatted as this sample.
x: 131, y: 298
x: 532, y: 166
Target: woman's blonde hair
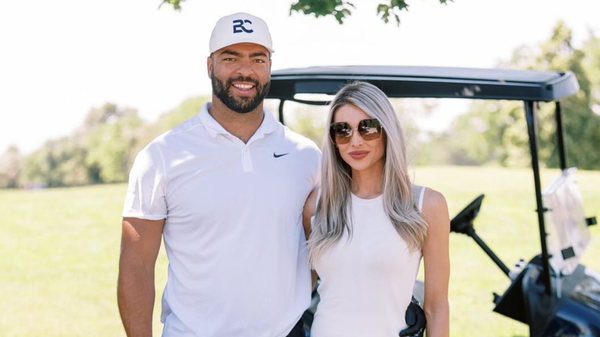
x: 399, y: 201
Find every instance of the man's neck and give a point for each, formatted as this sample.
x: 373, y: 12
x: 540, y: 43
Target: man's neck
x: 241, y: 125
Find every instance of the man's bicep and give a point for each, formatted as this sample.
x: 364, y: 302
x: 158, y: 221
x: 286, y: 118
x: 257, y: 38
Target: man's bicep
x: 140, y: 239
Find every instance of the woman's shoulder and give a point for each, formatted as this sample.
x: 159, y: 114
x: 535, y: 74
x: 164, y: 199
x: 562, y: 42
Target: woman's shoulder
x: 433, y: 198
x: 435, y: 207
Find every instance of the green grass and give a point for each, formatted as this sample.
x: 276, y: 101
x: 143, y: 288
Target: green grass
x: 59, y: 250
x: 58, y: 270
x: 507, y: 222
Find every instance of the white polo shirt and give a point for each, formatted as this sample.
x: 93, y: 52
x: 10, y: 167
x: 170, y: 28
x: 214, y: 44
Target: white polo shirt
x: 233, y: 232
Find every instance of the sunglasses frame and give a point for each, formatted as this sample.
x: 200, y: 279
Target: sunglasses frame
x: 361, y: 128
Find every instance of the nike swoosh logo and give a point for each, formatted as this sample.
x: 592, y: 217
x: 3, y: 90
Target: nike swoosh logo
x: 279, y: 155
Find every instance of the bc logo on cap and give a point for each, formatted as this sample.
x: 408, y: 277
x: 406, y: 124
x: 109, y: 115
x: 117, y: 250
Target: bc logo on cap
x: 238, y: 26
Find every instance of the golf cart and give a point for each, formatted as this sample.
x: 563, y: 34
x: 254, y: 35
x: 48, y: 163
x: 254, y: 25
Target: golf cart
x: 552, y: 293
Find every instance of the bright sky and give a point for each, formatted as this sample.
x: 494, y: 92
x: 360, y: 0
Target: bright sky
x: 59, y: 59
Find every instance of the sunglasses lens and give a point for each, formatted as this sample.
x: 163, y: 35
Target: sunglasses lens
x: 369, y: 129
x: 340, y: 132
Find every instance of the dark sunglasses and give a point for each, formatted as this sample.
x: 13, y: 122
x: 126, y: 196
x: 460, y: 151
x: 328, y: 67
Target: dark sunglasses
x: 368, y: 129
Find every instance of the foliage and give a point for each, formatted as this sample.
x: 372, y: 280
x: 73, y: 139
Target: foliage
x: 339, y: 9
x: 101, y: 150
x: 409, y: 112
x: 111, y: 136
x: 306, y: 120
x: 496, y: 131
x: 185, y: 110
x: 58, y: 162
x: 10, y: 168
x: 97, y: 152
x: 165, y: 122
x: 175, y: 3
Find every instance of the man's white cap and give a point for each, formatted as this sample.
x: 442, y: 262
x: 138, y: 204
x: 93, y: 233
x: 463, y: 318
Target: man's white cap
x: 240, y: 28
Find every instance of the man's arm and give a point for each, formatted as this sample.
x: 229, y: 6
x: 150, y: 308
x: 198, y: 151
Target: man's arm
x: 140, y: 244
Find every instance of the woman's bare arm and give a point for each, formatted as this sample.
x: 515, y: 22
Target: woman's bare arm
x: 436, y: 260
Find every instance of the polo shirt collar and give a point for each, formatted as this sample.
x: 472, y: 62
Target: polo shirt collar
x: 268, y: 125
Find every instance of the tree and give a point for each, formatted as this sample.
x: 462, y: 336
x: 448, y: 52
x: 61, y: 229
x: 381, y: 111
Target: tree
x: 339, y: 9
x: 166, y: 121
x: 581, y: 123
x: 102, y: 149
x: 111, y: 134
x: 99, y: 151
x: 10, y: 168
x: 59, y: 162
x: 495, y: 131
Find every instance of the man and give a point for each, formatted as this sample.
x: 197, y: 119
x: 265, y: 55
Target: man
x: 226, y: 190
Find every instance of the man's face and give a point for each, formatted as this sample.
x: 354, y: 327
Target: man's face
x: 240, y: 76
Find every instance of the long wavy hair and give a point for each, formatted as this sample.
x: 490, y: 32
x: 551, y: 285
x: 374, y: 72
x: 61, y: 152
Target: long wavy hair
x: 399, y: 200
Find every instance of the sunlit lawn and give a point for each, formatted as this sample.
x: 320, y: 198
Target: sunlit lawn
x: 59, y: 250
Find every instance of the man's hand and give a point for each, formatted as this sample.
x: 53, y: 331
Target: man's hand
x: 415, y: 318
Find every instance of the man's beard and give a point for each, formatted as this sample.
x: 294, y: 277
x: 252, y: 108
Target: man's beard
x: 244, y: 104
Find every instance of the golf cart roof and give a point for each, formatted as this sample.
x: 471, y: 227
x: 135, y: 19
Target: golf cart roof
x: 435, y: 82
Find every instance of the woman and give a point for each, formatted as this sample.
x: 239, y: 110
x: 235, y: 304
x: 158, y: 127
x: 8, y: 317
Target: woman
x: 372, y: 225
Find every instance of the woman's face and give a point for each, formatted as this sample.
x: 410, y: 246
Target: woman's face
x: 361, y: 155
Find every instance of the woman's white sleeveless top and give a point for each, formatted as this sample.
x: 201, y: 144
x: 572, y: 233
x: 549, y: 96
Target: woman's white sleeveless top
x: 367, y: 277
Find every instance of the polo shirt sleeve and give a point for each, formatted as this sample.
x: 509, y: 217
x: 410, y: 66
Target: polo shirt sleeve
x: 145, y: 197
x: 316, y: 173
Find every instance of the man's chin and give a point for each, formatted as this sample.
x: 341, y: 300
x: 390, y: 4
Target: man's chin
x: 243, y: 106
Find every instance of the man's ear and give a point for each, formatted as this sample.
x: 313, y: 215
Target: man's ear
x: 209, y: 66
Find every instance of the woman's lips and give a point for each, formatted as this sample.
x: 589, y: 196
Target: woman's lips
x: 358, y: 154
